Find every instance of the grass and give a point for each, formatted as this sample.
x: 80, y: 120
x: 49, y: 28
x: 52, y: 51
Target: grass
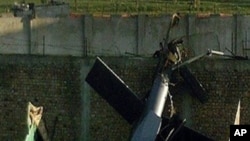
x: 159, y: 7
x: 146, y: 6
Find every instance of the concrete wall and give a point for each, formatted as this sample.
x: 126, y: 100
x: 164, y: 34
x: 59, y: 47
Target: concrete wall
x: 60, y: 10
x: 14, y: 35
x: 78, y: 113
x: 210, y: 32
x: 117, y: 35
x: 57, y: 36
x: 111, y: 36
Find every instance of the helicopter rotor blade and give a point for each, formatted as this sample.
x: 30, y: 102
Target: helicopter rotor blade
x: 108, y: 85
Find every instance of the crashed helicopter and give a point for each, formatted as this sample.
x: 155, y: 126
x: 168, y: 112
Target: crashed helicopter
x: 146, y: 115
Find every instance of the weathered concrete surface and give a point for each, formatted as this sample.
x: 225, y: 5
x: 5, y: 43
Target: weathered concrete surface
x: 117, y: 35
x: 57, y: 36
x: 113, y: 36
x: 13, y: 36
x: 210, y: 33
x: 61, y: 10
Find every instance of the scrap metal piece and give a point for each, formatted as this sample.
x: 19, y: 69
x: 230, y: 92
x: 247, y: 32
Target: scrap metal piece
x: 33, y: 120
x: 34, y: 114
x: 237, y: 116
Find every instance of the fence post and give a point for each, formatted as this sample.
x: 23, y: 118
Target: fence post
x: 75, y: 5
x: 87, y: 7
x: 137, y: 6
x: 166, y: 7
x: 43, y: 45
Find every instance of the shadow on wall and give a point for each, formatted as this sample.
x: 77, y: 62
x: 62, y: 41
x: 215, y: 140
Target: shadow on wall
x: 43, y: 36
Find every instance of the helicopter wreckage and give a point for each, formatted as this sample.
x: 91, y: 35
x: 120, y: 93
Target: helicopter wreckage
x: 146, y: 115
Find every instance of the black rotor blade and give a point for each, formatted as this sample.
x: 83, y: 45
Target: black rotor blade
x: 108, y: 85
x: 197, y: 88
x: 180, y: 132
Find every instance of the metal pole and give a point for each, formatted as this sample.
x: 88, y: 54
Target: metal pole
x: 137, y: 6
x: 43, y: 44
x: 232, y: 42
x: 246, y: 43
x: 75, y: 5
